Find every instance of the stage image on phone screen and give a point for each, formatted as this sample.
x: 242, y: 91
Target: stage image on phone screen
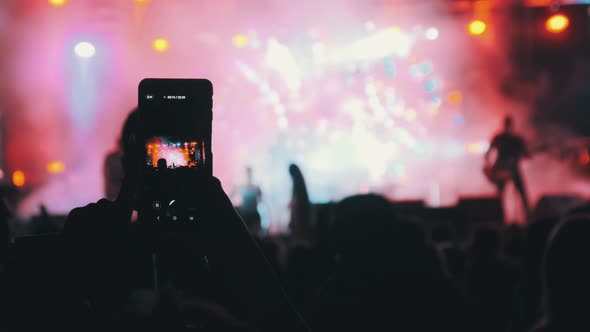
x: 170, y: 153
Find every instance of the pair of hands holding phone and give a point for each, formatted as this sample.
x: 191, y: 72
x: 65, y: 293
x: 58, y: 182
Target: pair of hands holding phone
x: 112, y: 255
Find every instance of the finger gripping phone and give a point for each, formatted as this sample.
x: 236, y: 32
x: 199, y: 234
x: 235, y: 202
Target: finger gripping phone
x: 175, y: 119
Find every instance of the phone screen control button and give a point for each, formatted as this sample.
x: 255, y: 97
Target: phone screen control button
x: 157, y: 205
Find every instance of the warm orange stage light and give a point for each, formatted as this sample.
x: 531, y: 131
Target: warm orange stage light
x: 240, y: 41
x: 18, y: 178
x: 477, y: 27
x: 160, y: 45
x: 557, y: 23
x: 455, y: 98
x: 58, y: 3
x: 56, y: 167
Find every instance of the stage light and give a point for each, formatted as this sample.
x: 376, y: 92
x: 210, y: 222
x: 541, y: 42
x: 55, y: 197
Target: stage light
x: 379, y: 45
x: 255, y: 43
x: 58, y: 3
x: 455, y: 98
x: 584, y: 158
x: 477, y: 27
x: 432, y: 85
x: 399, y: 169
x: 160, y: 45
x: 431, y: 33
x: 318, y: 49
x: 435, y: 101
x: 84, y: 50
x: 280, y: 109
x: 280, y: 58
x: 142, y: 1
x: 18, y: 178
x: 477, y: 147
x: 283, y: 122
x: 56, y: 167
x: 557, y: 23
x: 415, y: 70
x: 240, y: 41
x: 427, y: 68
x: 410, y: 114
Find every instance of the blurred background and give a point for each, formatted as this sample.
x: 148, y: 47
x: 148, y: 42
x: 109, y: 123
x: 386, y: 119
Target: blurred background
x: 397, y: 97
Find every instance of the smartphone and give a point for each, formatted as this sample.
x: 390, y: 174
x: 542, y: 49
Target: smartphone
x: 175, y: 119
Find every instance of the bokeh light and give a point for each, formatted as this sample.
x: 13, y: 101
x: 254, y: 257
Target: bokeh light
x: 18, y: 178
x: 283, y: 122
x: 58, y: 3
x: 84, y: 50
x: 240, y: 41
x: 557, y: 23
x: 455, y: 98
x: 477, y: 27
x: 160, y: 44
x: 477, y: 147
x: 431, y: 33
x: 56, y: 167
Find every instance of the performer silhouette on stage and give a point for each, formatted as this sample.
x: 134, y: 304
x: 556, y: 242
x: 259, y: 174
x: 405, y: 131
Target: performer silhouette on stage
x: 250, y: 193
x: 509, y: 150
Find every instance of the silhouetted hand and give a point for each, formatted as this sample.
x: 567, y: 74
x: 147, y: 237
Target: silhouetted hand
x: 103, y: 252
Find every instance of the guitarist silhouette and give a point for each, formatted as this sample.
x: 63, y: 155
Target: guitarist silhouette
x: 509, y: 149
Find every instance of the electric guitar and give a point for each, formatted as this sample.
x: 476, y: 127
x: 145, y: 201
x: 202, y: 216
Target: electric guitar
x: 502, y: 170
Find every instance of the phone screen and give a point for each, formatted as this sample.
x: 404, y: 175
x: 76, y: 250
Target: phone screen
x: 175, y: 120
x: 172, y: 153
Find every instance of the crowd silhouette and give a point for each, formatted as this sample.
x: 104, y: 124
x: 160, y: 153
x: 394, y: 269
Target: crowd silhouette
x: 362, y: 264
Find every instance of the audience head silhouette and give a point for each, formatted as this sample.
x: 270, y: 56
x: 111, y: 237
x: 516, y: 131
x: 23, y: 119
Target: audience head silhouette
x: 567, y: 274
x: 362, y: 223
x: 5, y: 216
x: 129, y: 131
